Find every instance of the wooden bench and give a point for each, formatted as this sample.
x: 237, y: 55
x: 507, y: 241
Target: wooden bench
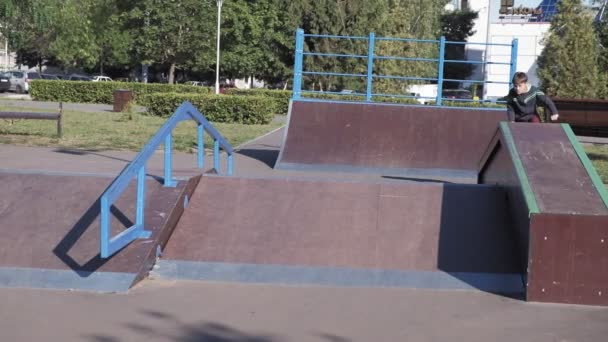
x: 37, y: 116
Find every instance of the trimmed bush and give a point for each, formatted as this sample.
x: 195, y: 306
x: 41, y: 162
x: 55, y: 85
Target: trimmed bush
x: 218, y: 108
x: 475, y: 104
x: 101, y: 92
x: 281, y: 97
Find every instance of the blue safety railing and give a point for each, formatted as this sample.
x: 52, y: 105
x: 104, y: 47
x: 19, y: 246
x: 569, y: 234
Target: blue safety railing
x: 369, y: 76
x: 137, y: 168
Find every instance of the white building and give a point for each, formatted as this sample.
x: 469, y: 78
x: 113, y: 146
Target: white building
x: 7, y: 59
x: 499, y: 22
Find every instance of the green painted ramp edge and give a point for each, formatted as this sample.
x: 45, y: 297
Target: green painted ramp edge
x: 519, y: 169
x: 595, y: 178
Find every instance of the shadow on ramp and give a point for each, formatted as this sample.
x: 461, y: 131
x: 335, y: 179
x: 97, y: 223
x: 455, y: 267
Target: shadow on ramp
x: 475, y: 243
x: 62, y: 250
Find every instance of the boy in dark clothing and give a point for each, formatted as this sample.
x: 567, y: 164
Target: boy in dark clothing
x: 523, y: 99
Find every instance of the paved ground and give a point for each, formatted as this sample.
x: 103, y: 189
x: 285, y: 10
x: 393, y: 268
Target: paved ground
x: 217, y: 312
x: 196, y: 311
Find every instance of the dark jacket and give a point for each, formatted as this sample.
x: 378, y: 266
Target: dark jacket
x: 522, y: 107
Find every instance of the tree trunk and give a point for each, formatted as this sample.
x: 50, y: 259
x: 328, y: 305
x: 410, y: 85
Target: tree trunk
x: 101, y: 67
x: 171, y: 73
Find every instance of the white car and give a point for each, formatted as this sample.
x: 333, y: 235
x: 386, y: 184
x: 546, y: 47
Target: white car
x: 101, y: 79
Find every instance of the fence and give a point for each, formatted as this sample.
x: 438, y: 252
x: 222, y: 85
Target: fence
x: 372, y: 57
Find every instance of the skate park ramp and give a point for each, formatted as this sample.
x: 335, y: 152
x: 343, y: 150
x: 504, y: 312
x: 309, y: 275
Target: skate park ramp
x: 50, y: 231
x: 427, y: 235
x: 441, y: 143
x: 516, y: 232
x: 559, y: 211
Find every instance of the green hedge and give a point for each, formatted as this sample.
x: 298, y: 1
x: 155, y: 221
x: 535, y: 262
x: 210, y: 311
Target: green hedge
x: 282, y: 97
x: 218, y: 108
x: 101, y: 92
x: 470, y: 104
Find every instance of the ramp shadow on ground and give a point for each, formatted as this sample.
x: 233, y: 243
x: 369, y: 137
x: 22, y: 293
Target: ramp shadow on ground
x: 267, y: 156
x: 474, y: 234
x: 159, y: 324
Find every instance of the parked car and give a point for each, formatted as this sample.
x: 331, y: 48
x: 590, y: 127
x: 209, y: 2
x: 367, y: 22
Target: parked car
x: 50, y: 77
x: 458, y: 94
x: 101, y: 79
x: 75, y: 77
x: 195, y: 83
x: 19, y: 81
x: 5, y: 82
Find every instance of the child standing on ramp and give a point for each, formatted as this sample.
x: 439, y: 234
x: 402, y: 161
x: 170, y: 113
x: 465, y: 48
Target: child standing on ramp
x: 523, y: 99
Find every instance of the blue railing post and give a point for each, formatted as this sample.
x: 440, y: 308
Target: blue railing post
x: 370, y: 65
x: 105, y: 227
x: 168, y: 179
x: 216, y: 155
x: 230, y: 164
x: 141, y: 203
x: 297, y: 72
x: 137, y: 169
x: 201, y: 146
x: 440, y: 70
x: 513, y: 70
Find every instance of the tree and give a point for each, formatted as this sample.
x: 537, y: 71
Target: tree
x: 112, y: 40
x: 29, y: 27
x: 457, y: 26
x: 568, y: 65
x: 175, y: 33
x: 601, y: 30
x: 408, y: 19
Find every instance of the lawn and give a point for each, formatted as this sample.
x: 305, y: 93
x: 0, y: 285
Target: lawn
x: 599, y: 157
x: 113, y: 131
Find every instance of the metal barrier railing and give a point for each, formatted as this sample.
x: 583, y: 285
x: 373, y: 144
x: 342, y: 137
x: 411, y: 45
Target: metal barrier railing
x: 137, y: 168
x: 370, y: 76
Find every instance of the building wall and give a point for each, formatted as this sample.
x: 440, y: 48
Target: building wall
x: 492, y: 27
x: 7, y: 59
x: 529, y: 40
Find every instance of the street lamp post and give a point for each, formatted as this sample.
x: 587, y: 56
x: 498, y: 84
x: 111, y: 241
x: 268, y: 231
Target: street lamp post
x: 217, y: 64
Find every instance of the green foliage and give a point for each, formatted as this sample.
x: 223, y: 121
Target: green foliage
x: 457, y: 26
x: 174, y: 33
x: 224, y: 108
x: 281, y: 97
x: 474, y: 104
x: 101, y: 92
x: 407, y: 19
x: 569, y: 64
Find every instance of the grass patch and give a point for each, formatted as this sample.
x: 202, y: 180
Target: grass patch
x: 113, y: 131
x: 599, y: 157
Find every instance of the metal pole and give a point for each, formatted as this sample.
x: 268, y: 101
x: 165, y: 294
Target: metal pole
x: 201, y: 146
x: 217, y: 63
x: 370, y: 66
x: 513, y: 59
x: 440, y: 71
x: 216, y: 156
x: 297, y: 72
x: 168, y: 179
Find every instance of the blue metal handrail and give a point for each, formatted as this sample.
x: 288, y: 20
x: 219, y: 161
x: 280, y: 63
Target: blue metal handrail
x: 322, y: 54
x: 371, y: 57
x: 137, y: 168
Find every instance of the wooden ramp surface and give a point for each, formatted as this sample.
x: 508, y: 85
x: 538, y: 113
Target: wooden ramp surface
x: 50, y: 232
x: 417, y: 227
x: 411, y: 141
